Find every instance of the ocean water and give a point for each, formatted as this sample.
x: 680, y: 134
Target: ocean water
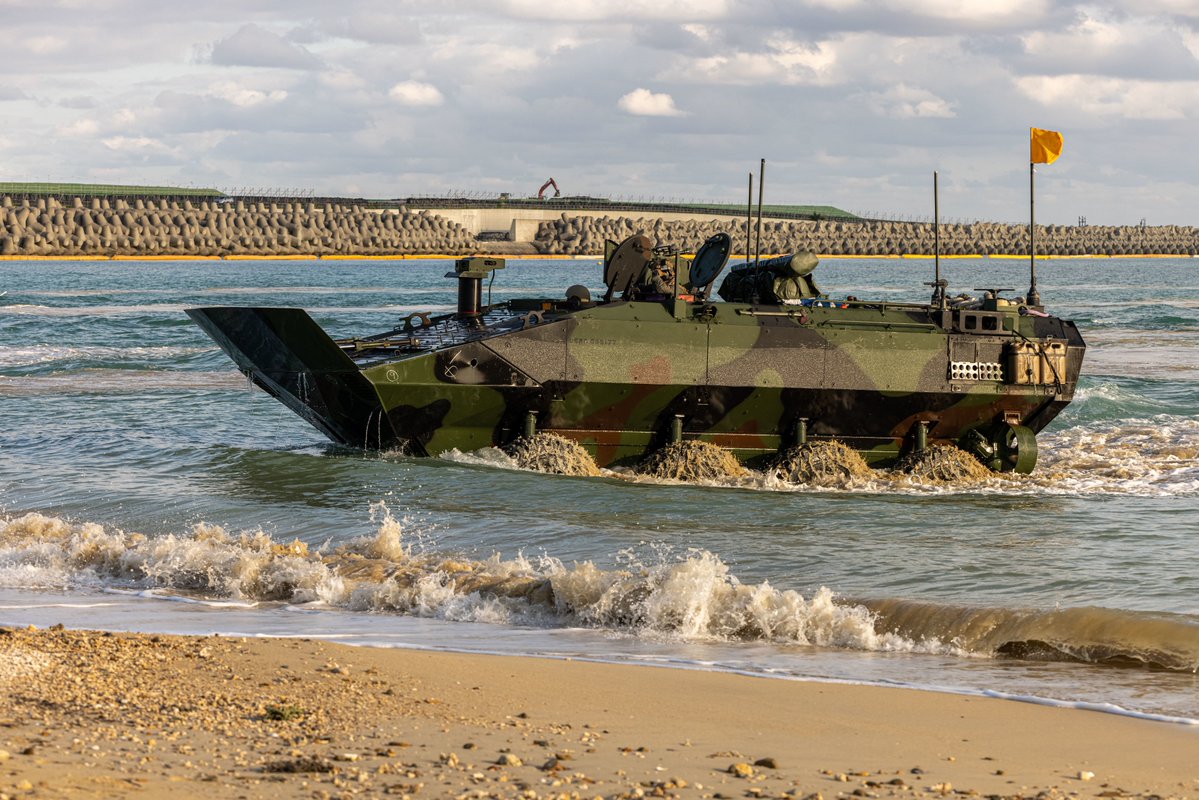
x: 145, y: 485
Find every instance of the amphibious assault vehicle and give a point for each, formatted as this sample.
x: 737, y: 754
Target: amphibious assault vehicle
x: 772, y: 364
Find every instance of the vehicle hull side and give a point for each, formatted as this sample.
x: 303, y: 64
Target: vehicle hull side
x: 621, y: 378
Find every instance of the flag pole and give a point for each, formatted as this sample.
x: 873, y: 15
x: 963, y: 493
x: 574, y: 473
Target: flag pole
x: 1044, y: 147
x: 938, y: 284
x: 1034, y: 297
x: 936, y: 232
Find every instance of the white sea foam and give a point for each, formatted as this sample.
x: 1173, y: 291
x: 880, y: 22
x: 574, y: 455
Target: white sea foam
x: 1153, y: 457
x: 119, y: 381
x: 31, y: 606
x: 236, y: 290
x: 1151, y: 302
x: 177, y: 309
x: 94, y: 311
x: 692, y: 597
x: 1157, y: 456
x: 43, y: 353
x: 484, y: 457
x: 1106, y: 708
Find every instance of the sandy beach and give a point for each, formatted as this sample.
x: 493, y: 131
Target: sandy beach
x: 90, y: 714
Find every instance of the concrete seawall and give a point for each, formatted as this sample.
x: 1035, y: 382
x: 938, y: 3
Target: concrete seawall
x: 574, y: 235
x: 148, y: 227
x: 99, y: 227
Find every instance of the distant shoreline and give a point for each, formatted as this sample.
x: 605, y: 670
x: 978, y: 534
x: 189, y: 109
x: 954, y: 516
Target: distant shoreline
x: 150, y: 229
x: 562, y: 257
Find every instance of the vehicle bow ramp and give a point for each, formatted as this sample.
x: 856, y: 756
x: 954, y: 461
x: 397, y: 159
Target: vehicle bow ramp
x: 286, y: 353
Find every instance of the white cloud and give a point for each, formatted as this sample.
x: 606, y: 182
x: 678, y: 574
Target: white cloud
x: 974, y: 14
x: 245, y: 97
x: 909, y: 102
x: 837, y: 5
x: 702, y: 32
x: 778, y: 60
x: 562, y: 42
x: 484, y: 60
x: 83, y: 127
x: 1190, y: 40
x: 342, y: 79
x: 1113, y: 97
x: 644, y: 103
x: 416, y: 93
x: 620, y: 10
x: 136, y: 144
x: 1103, y: 43
x: 972, y: 11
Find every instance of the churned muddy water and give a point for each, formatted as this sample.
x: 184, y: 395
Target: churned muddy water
x: 145, y: 486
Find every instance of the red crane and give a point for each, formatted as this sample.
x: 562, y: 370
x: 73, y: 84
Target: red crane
x: 549, y: 182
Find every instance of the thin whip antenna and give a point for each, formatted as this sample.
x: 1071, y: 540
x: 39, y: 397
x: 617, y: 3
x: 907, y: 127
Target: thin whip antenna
x: 761, y: 186
x: 749, y: 218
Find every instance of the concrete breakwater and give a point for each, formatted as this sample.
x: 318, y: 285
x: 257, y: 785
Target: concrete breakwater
x: 48, y: 226
x: 75, y: 226
x: 585, y: 235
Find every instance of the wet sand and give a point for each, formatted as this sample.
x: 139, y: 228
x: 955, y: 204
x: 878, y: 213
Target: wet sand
x: 100, y: 715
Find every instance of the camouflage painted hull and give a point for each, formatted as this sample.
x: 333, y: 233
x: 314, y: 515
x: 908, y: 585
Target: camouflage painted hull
x: 624, y: 378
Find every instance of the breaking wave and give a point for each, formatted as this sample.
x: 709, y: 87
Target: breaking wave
x: 1085, y: 635
x: 690, y: 596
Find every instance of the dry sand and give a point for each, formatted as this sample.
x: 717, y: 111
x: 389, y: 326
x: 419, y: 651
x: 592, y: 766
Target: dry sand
x: 101, y: 715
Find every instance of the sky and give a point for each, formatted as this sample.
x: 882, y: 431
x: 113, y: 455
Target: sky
x: 853, y: 103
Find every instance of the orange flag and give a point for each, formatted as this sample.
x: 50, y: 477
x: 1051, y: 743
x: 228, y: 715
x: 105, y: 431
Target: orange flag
x: 1045, y: 146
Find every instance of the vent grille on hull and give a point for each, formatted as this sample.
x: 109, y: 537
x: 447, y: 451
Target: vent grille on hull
x: 975, y: 371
